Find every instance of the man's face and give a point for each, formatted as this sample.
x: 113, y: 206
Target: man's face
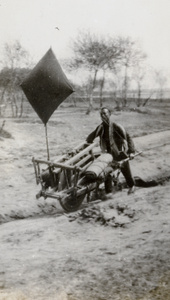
x: 105, y: 116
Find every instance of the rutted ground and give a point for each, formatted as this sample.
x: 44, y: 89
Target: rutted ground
x: 115, y: 249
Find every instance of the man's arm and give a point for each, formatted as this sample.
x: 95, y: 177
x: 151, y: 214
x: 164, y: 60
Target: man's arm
x: 131, y: 145
x: 122, y: 133
x: 93, y: 134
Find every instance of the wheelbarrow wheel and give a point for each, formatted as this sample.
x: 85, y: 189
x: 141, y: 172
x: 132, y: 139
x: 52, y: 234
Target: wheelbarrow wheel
x: 71, y: 202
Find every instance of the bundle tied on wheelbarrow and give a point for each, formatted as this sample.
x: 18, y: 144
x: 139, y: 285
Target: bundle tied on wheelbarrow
x: 98, y: 170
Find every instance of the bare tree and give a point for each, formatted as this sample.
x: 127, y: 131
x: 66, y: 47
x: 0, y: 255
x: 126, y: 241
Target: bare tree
x: 102, y: 82
x: 138, y: 75
x: 15, y: 58
x: 131, y: 55
x: 161, y: 80
x: 94, y: 54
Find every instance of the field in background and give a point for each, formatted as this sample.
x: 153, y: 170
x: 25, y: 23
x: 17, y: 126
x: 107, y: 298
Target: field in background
x: 70, y: 125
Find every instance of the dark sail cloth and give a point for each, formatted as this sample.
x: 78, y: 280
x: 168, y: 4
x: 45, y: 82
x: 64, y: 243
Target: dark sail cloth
x: 114, y: 139
x: 46, y: 87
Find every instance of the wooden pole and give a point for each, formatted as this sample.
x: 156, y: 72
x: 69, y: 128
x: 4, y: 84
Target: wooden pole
x: 46, y: 135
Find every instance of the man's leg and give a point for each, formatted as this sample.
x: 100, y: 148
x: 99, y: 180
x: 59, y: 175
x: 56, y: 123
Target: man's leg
x: 126, y: 171
x: 108, y: 184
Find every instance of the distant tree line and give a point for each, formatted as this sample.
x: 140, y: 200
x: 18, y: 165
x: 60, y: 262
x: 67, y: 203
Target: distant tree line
x: 110, y: 63
x: 117, y: 61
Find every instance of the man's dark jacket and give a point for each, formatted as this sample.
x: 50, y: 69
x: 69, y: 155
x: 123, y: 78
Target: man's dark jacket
x: 113, y: 139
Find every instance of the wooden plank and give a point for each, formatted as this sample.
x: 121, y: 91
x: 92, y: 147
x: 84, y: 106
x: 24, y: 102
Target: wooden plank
x: 83, y: 160
x: 75, y: 158
x: 60, y: 165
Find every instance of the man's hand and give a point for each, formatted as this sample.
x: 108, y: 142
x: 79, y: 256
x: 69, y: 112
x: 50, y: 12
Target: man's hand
x: 131, y: 156
x: 87, y: 144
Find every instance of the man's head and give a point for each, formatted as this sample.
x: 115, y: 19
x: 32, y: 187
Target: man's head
x: 105, y: 115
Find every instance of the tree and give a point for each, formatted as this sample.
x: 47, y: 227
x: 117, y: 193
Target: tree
x: 95, y: 54
x: 161, y: 80
x: 102, y: 82
x: 138, y: 75
x: 131, y: 55
x: 15, y: 58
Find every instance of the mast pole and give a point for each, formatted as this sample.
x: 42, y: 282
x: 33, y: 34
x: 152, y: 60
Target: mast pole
x: 46, y: 135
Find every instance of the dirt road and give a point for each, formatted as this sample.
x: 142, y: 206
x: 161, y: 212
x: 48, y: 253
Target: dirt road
x: 117, y: 249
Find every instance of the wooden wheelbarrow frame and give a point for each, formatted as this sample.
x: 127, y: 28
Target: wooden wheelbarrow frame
x: 64, y: 175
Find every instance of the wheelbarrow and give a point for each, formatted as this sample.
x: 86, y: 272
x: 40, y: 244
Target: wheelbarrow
x: 73, y: 176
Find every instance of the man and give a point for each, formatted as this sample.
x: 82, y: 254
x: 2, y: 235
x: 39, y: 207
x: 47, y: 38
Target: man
x: 114, y: 139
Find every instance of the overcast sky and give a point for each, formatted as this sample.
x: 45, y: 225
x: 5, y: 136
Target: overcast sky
x: 34, y: 22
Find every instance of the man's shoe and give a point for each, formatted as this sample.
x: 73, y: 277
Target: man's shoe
x: 131, y: 190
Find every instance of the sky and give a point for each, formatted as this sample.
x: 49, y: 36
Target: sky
x: 34, y: 22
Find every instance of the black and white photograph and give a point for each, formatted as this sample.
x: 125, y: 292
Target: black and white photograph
x: 84, y: 150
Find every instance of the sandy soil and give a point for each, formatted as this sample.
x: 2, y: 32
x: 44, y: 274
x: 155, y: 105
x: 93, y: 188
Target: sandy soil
x: 118, y: 248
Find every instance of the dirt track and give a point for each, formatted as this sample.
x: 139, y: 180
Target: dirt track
x: 72, y: 257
